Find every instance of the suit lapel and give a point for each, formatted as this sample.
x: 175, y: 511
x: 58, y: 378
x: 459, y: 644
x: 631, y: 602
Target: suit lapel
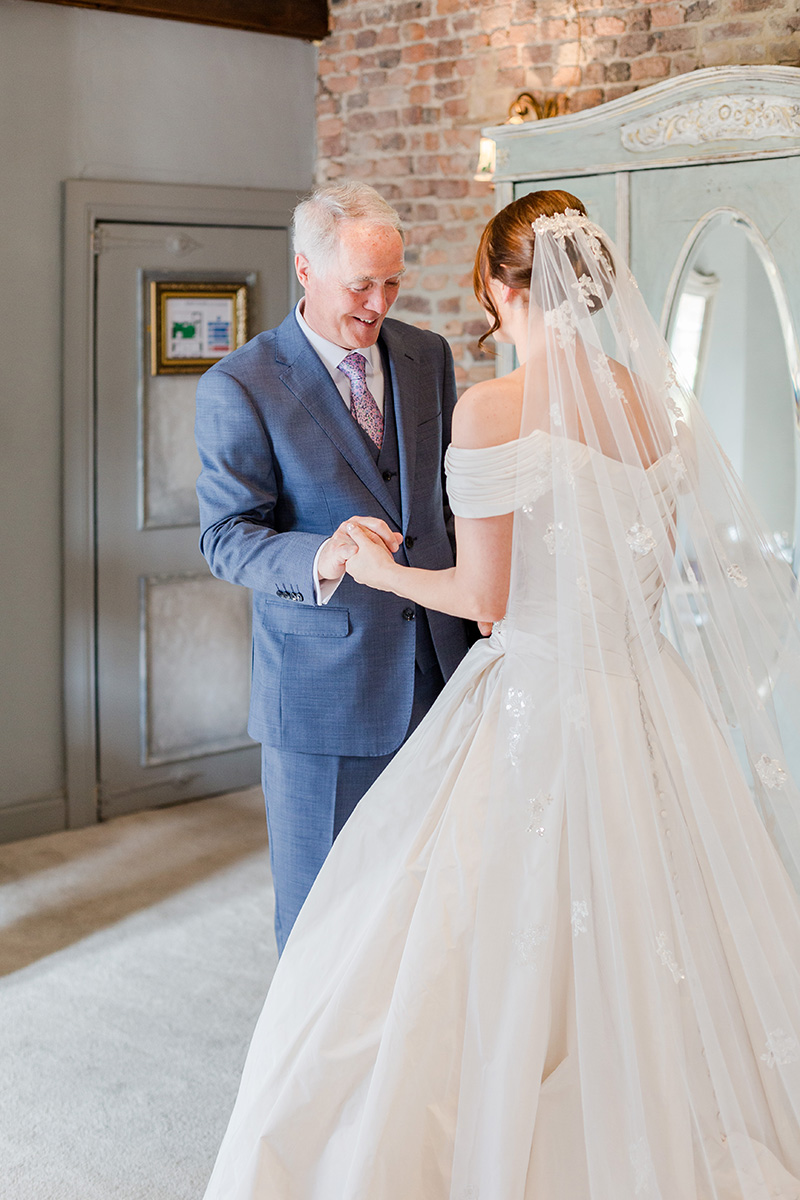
x: 404, y: 371
x: 307, y: 378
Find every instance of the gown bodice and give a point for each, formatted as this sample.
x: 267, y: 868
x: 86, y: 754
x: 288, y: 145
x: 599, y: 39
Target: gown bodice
x: 597, y: 554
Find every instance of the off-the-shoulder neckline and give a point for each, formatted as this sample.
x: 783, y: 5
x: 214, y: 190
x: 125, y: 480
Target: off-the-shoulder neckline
x: 516, y: 442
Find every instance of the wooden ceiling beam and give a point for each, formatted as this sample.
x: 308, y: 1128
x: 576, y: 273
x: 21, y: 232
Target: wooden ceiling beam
x: 306, y: 19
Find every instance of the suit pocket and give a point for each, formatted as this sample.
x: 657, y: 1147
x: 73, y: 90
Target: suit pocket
x: 320, y: 621
x: 430, y: 428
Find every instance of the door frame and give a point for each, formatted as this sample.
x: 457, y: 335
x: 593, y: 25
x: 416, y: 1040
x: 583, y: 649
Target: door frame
x: 86, y: 203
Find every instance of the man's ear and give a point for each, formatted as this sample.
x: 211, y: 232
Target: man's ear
x: 301, y: 268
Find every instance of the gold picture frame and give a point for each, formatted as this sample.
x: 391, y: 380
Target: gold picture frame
x: 194, y: 325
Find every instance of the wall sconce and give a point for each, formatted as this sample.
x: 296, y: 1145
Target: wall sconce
x: 487, y: 160
x: 527, y: 107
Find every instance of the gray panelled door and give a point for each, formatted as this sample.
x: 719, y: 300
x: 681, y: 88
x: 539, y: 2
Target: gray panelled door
x: 173, y: 643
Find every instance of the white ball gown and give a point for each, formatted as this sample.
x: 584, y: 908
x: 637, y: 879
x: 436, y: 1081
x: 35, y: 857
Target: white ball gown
x: 425, y: 1032
x: 555, y: 953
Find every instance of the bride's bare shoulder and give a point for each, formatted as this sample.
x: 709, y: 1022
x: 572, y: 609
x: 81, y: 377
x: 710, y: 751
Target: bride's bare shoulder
x: 489, y: 413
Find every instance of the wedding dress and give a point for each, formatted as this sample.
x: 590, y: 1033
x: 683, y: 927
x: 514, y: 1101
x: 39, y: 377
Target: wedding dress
x: 554, y: 955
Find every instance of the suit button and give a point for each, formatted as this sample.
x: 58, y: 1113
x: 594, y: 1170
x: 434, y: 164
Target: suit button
x: 408, y: 614
x: 389, y: 475
x: 298, y: 596
x: 410, y: 541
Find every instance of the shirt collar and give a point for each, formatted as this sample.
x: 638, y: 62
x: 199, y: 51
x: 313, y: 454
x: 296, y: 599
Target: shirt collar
x: 329, y: 352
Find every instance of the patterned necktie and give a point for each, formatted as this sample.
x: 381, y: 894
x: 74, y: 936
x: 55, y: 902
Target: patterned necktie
x: 362, y: 401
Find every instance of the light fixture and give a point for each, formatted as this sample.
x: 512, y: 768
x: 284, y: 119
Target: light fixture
x: 487, y: 160
x: 527, y: 107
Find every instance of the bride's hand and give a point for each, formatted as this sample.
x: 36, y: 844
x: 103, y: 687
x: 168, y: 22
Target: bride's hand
x: 372, y: 563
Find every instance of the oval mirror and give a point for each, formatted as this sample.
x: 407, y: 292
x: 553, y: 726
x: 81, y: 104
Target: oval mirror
x: 732, y: 335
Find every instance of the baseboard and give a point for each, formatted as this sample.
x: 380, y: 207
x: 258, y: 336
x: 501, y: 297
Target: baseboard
x: 31, y: 818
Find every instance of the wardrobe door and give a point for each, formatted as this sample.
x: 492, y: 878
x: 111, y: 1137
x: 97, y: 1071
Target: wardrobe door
x: 670, y: 206
x: 603, y: 195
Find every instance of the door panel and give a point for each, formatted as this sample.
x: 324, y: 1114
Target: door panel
x: 173, y: 643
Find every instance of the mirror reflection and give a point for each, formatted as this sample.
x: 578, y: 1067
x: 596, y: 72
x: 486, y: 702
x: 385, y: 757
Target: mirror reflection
x: 731, y: 334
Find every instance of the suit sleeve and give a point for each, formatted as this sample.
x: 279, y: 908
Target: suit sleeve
x: 449, y: 397
x: 238, y: 494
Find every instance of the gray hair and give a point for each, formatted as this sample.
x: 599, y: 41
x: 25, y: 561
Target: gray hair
x: 316, y: 221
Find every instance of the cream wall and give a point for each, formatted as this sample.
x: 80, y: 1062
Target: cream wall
x: 98, y: 95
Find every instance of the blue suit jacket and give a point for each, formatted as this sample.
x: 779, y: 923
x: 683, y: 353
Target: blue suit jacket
x: 283, y: 464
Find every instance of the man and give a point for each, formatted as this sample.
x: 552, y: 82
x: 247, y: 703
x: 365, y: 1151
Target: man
x: 337, y: 414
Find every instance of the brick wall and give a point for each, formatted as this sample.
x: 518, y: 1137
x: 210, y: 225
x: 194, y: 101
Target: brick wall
x: 404, y: 87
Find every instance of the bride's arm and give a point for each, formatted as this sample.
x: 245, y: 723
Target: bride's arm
x: 477, y: 586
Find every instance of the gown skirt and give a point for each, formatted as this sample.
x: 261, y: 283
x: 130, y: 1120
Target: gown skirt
x: 481, y: 978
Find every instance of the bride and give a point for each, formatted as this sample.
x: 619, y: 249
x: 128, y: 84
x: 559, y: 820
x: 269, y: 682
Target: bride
x: 555, y: 953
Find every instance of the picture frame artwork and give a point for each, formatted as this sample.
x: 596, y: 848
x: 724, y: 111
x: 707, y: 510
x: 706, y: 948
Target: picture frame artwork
x: 194, y: 325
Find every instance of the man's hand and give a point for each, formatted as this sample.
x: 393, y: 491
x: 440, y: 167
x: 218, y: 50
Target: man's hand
x: 373, y: 561
x: 339, y: 548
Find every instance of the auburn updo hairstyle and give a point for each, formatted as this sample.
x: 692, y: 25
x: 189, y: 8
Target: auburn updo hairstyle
x: 505, y: 251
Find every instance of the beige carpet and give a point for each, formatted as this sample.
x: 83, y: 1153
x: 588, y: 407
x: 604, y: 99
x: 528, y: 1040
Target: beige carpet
x: 134, y: 960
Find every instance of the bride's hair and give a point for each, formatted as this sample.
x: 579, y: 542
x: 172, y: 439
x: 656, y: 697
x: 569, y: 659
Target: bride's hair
x: 505, y: 251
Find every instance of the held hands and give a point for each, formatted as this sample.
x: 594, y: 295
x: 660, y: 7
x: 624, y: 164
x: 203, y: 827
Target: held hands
x: 341, y: 547
x: 372, y: 561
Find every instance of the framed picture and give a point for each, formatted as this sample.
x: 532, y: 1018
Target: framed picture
x: 194, y: 325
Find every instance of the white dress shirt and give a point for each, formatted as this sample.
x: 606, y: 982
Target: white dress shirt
x: 331, y: 356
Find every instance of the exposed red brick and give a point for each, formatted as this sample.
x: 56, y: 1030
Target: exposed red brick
x: 731, y: 29
x: 586, y: 99
x: 435, y: 30
x: 404, y: 87
x: 634, y: 45
x: 452, y: 48
x: 495, y: 16
x: 787, y: 52
x: 541, y: 52
x: 622, y: 89
x: 417, y: 52
x: 412, y: 31
x: 508, y: 57
x: 670, y: 40
x: 650, y: 68
x: 609, y: 25
x: 639, y: 19
x: 455, y: 108
x: 667, y: 14
x: 617, y: 72
x: 342, y: 83
x: 700, y: 9
x: 423, y: 71
x: 412, y: 10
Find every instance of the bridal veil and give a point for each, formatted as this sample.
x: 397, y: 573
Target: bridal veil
x: 637, y: 938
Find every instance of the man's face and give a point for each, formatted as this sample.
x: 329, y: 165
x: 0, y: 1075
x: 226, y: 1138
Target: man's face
x: 347, y: 301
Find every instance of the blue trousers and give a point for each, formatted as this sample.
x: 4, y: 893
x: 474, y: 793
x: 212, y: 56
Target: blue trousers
x: 309, y: 797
